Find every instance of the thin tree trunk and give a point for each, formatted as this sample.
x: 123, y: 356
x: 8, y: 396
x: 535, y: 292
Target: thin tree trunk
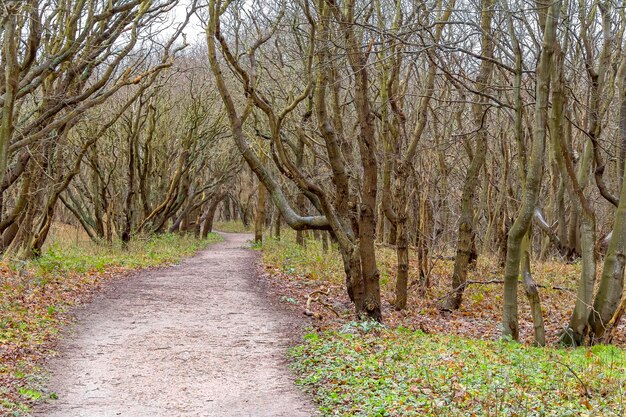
x: 532, y: 293
x: 128, y: 201
x: 11, y: 74
x: 277, y: 222
x: 466, y: 236
x: 424, y: 233
x: 510, y: 321
x: 259, y: 223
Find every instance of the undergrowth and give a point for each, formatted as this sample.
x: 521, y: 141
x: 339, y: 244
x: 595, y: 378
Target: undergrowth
x: 36, y: 294
x: 450, y: 364
x: 232, y: 227
x: 397, y: 372
x: 310, y: 263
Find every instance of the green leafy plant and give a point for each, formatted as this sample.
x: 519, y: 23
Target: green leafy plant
x: 406, y: 373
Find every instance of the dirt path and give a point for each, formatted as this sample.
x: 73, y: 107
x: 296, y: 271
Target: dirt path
x: 197, y: 339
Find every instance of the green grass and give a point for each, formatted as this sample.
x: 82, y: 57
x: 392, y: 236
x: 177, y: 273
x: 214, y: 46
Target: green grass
x: 383, y: 372
x: 310, y: 262
x: 35, y: 294
x: 61, y: 258
x: 233, y: 227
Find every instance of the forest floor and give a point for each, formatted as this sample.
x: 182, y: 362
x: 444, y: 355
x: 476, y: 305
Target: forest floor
x: 425, y: 362
x: 197, y: 339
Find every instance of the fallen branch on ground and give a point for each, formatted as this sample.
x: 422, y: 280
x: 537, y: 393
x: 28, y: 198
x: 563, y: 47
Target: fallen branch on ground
x: 499, y: 281
x: 311, y: 298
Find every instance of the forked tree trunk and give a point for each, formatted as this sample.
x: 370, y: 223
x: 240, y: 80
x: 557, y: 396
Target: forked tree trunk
x: 510, y: 321
x: 532, y: 293
x: 607, y: 309
x: 576, y: 330
x: 404, y: 169
x: 209, y: 216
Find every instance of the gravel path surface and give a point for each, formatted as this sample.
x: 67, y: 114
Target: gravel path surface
x: 197, y: 339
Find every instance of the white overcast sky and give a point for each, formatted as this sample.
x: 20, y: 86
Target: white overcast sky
x: 194, y: 29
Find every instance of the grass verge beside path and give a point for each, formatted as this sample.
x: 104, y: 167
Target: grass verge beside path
x: 35, y: 296
x: 405, y: 373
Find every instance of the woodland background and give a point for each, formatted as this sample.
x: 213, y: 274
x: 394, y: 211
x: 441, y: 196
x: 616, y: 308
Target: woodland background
x: 432, y: 147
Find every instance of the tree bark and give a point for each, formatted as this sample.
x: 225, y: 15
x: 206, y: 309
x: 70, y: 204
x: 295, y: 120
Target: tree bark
x: 510, y: 321
x: 209, y: 215
x: 259, y: 221
x: 11, y: 74
x: 611, y: 288
x: 466, y: 235
x: 532, y: 293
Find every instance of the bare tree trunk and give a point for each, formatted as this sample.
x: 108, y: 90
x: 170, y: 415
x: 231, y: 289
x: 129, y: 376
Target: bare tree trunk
x: 301, y: 234
x: 97, y: 195
x: 532, y: 293
x: 402, y: 251
x: 227, y: 211
x: 580, y: 206
x: 259, y: 222
x: 277, y: 222
x: 209, y: 215
x: 399, y: 204
x: 466, y: 237
x: 611, y: 288
x: 301, y: 198
x: 621, y: 160
x: 608, y: 310
x: 128, y: 201
x: 424, y: 233
x: 510, y: 321
x: 11, y: 73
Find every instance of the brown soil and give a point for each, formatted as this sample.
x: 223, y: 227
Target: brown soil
x: 197, y: 339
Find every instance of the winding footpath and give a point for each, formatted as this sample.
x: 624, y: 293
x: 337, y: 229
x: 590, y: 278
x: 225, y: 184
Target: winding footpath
x: 196, y: 339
